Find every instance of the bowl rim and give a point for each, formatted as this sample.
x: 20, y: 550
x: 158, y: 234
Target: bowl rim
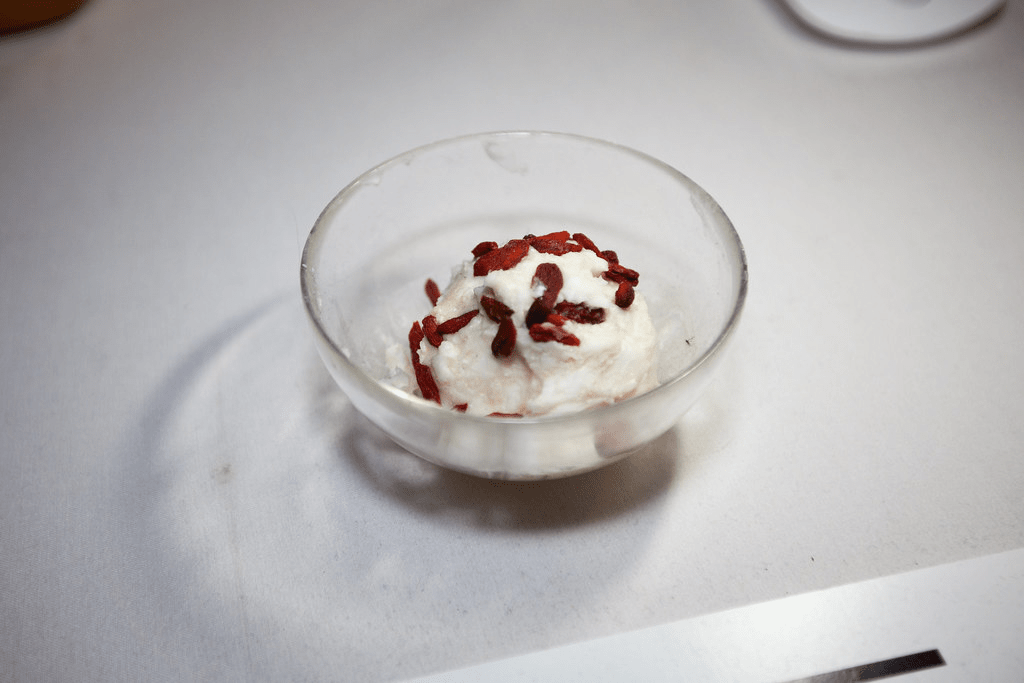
x: 416, y: 403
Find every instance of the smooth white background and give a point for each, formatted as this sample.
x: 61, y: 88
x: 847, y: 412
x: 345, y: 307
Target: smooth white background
x: 183, y: 492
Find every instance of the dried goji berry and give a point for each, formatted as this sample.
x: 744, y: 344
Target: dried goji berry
x: 545, y: 332
x: 556, y: 320
x: 460, y: 407
x: 425, y: 380
x: 585, y: 242
x: 424, y: 377
x: 610, y: 256
x: 430, y: 331
x: 494, y: 309
x: 453, y: 325
x: 433, y: 291
x: 624, y: 295
x: 504, y: 339
x: 549, y: 275
x: 580, y: 313
x: 537, y: 314
x: 554, y: 247
x: 559, y: 236
x: 502, y: 258
x: 415, y: 337
x: 484, y: 247
x: 619, y: 273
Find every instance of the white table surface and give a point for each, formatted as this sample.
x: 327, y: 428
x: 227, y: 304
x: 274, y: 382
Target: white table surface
x: 966, y: 616
x: 184, y: 493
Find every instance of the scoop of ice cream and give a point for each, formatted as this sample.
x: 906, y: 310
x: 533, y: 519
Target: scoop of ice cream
x: 538, y: 326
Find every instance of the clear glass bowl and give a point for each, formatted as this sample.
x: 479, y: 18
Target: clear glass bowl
x: 419, y: 214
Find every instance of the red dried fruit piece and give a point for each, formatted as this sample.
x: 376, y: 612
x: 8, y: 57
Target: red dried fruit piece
x: 624, y: 295
x: 433, y: 291
x: 504, y: 339
x: 537, y: 314
x: 586, y: 242
x: 556, y: 243
x: 430, y: 331
x: 494, y: 309
x: 453, y: 325
x: 559, y: 236
x: 554, y: 247
x: 580, y: 313
x: 415, y: 337
x: 545, y: 332
x: 549, y: 275
x: 504, y: 414
x: 502, y: 258
x: 484, y: 247
x: 619, y: 273
x: 424, y: 378
x: 460, y: 407
x: 556, y: 320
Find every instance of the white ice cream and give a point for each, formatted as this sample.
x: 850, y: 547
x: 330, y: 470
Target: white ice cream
x: 615, y: 359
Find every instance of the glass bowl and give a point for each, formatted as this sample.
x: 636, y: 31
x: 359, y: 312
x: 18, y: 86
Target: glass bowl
x: 418, y: 215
